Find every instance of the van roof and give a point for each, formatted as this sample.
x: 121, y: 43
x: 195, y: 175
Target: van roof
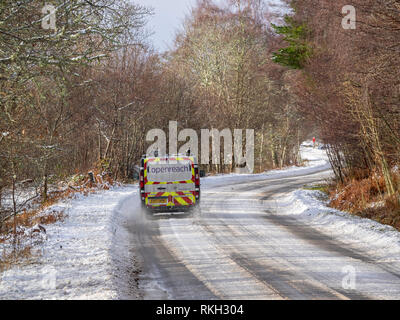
x: 180, y: 155
x: 172, y: 157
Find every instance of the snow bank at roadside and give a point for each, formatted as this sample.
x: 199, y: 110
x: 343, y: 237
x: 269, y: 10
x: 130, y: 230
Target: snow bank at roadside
x: 381, y: 241
x: 75, y: 261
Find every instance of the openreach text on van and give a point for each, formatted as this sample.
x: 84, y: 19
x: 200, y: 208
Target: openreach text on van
x: 187, y: 168
x: 233, y: 145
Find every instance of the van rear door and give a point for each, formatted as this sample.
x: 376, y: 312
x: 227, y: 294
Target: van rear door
x: 172, y: 178
x: 169, y: 171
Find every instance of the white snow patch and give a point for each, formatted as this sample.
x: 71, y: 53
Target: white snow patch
x: 76, y: 261
x: 380, y: 241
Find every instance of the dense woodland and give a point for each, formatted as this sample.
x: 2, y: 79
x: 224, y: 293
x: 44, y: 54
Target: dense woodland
x: 83, y: 96
x: 348, y: 83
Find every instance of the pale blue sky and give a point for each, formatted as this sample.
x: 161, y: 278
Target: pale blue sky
x: 168, y: 17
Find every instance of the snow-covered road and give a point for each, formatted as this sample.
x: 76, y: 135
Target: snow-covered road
x: 254, y: 237
x: 261, y: 237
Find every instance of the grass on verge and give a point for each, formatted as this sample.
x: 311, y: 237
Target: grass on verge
x: 365, y: 197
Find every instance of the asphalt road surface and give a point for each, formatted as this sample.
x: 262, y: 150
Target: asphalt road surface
x: 241, y: 245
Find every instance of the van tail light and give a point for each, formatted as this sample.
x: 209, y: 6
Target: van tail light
x: 141, y: 179
x: 196, y: 177
x: 197, y: 182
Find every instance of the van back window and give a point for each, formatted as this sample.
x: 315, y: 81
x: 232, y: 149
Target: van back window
x: 169, y: 171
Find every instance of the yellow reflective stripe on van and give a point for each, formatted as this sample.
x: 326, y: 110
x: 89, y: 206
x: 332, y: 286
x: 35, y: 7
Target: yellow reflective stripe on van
x: 176, y: 158
x: 172, y: 182
x: 178, y: 197
x: 181, y: 201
